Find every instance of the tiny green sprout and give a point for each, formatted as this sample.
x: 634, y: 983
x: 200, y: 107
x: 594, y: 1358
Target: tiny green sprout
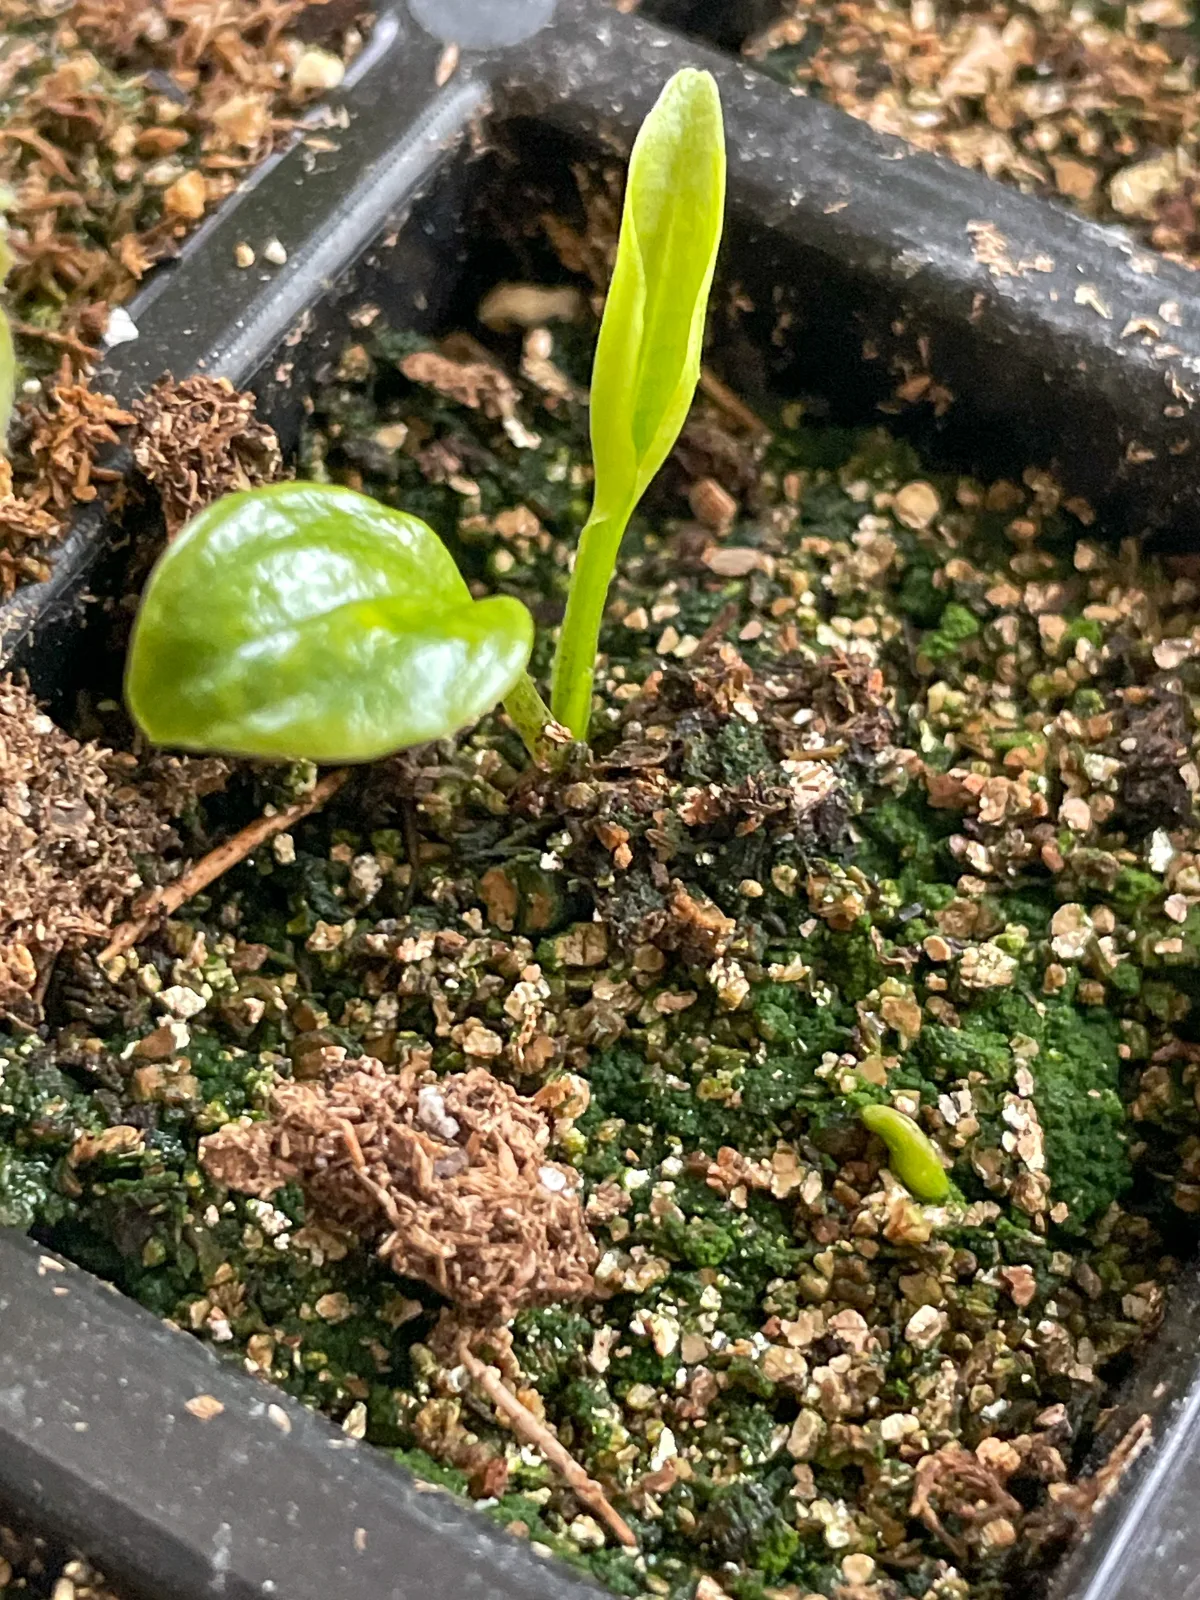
x: 8, y: 358
x: 648, y: 355
x: 306, y: 621
x: 912, y: 1155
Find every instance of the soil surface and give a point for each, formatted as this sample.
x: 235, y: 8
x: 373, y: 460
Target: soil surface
x: 34, y: 1570
x: 124, y: 124
x: 891, y: 800
x: 1097, y: 106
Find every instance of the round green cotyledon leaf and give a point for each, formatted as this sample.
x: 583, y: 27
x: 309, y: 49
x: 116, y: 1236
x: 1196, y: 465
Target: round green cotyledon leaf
x: 304, y: 621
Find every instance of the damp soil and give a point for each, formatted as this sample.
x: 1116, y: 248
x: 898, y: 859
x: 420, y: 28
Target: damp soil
x: 891, y: 800
x: 35, y: 1569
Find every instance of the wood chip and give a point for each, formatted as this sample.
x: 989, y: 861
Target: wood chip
x: 204, y: 1407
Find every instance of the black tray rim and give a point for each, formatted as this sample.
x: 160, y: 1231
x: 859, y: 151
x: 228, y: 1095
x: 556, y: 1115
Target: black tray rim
x: 806, y: 171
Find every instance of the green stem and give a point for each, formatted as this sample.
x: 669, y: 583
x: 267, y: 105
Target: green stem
x: 575, y: 658
x: 531, y: 717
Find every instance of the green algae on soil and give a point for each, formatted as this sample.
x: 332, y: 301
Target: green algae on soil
x: 891, y: 804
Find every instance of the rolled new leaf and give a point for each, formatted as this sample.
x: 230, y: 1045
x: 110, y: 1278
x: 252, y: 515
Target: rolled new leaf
x: 648, y: 355
x: 647, y: 360
x: 307, y: 621
x: 8, y: 358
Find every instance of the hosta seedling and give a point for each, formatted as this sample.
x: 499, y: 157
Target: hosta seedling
x: 8, y: 359
x: 301, y: 620
x: 648, y: 355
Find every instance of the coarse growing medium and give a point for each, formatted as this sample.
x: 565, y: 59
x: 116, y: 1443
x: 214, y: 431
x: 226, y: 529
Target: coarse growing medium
x: 30, y: 1566
x: 125, y: 123
x: 122, y: 124
x: 891, y: 801
x: 1095, y: 105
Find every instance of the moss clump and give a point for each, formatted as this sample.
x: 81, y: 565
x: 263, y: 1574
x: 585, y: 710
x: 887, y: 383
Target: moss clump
x: 1077, y: 1076
x: 955, y: 626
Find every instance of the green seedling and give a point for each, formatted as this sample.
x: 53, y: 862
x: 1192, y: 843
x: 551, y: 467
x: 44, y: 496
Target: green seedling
x: 648, y: 354
x: 8, y: 358
x: 911, y: 1153
x: 305, y: 621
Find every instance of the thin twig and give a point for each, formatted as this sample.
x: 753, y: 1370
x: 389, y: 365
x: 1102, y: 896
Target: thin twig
x: 65, y: 341
x: 357, y: 1159
x: 735, y: 408
x: 412, y: 849
x: 44, y: 976
x: 52, y: 201
x: 164, y: 902
x: 43, y: 147
x: 716, y: 629
x: 532, y: 1432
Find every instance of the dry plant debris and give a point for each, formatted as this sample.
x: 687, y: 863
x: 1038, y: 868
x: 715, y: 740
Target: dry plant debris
x: 125, y: 122
x: 1099, y: 106
x: 453, y: 1171
x: 532, y: 1431
x: 71, y: 835
x: 55, y: 469
x: 198, y: 439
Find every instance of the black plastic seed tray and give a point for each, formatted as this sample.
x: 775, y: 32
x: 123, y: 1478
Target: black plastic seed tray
x: 856, y: 263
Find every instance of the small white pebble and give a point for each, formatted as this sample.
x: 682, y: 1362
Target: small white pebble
x: 926, y: 1326
x: 432, y: 1113
x: 274, y: 252
x: 122, y: 329
x: 317, y: 70
x: 181, y: 1001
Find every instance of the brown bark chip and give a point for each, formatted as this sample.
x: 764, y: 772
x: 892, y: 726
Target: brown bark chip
x: 452, y: 1171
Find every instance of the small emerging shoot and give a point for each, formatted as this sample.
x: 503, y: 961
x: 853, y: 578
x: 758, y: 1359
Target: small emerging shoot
x: 8, y: 358
x: 648, y: 356
x: 912, y: 1155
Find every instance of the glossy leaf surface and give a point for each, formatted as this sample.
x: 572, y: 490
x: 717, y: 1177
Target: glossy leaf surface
x: 648, y: 354
x: 307, y: 621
